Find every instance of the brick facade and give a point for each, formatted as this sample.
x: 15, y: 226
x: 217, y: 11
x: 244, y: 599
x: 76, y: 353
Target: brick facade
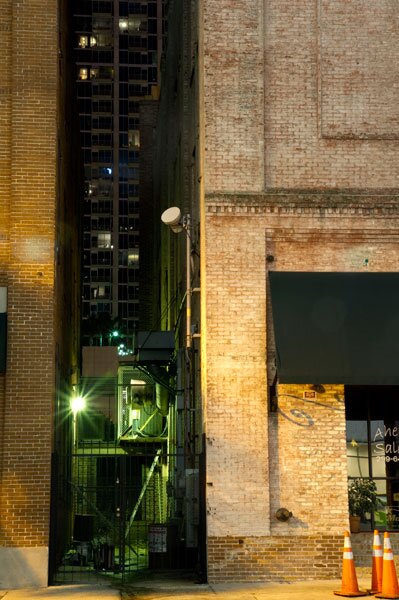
x: 31, y: 197
x: 295, y: 157
x: 300, y: 156
x: 283, y: 559
x: 258, y: 460
x: 299, y: 97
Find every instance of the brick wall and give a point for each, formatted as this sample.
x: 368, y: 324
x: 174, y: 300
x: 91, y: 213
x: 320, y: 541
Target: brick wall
x: 234, y: 95
x: 308, y: 448
x: 257, y: 460
x: 298, y: 164
x: 5, y: 167
x: 286, y: 559
x: 28, y: 192
x: 236, y: 414
x: 362, y: 544
x: 299, y: 95
x: 283, y: 559
x: 30, y: 274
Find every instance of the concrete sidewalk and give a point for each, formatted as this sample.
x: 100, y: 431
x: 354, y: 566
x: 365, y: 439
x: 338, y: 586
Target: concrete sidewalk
x: 307, y: 590
x: 184, y: 590
x: 64, y: 592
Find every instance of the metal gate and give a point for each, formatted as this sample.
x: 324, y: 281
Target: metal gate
x: 120, y: 512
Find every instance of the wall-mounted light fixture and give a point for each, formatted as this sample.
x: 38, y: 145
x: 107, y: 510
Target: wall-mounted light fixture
x: 318, y: 387
x: 283, y: 515
x: 173, y: 218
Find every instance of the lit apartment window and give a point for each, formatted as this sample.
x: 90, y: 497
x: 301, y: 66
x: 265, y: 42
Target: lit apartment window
x: 98, y: 292
x: 93, y: 41
x: 133, y: 258
x: 94, y: 73
x: 123, y: 25
x: 104, y: 240
x: 135, y: 23
x: 83, y: 74
x: 83, y: 41
x: 134, y: 138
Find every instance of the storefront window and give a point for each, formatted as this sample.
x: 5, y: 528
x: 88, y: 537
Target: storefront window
x: 372, y: 437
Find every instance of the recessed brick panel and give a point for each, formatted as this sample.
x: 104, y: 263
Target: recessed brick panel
x: 233, y: 63
x: 359, y: 68
x: 322, y: 129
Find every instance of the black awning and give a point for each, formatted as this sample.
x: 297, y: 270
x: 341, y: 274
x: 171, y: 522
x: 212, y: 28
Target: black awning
x: 336, y: 327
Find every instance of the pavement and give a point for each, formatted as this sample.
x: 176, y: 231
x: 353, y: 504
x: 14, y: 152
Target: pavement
x: 184, y: 590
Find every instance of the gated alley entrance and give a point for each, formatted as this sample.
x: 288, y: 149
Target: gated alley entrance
x: 124, y: 515
x: 127, y: 493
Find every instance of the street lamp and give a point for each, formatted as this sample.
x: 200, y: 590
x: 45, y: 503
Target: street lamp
x: 173, y: 218
x: 78, y: 403
x: 177, y: 222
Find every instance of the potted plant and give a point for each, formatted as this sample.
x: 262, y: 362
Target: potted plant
x: 362, y: 494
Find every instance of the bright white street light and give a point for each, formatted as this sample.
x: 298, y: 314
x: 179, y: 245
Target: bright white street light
x: 78, y: 403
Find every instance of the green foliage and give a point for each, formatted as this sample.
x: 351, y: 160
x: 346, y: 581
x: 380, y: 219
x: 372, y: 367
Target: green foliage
x: 362, y: 495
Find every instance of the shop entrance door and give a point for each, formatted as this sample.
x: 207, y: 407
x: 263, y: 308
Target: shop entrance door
x: 372, y: 435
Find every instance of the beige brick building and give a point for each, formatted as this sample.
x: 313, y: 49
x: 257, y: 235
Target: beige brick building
x: 38, y: 247
x: 284, y: 149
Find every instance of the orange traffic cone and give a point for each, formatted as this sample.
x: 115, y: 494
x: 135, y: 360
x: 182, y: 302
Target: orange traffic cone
x: 390, y: 587
x: 376, y: 574
x: 349, y: 580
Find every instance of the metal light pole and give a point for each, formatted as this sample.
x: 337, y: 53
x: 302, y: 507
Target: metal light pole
x: 187, y: 228
x: 173, y: 218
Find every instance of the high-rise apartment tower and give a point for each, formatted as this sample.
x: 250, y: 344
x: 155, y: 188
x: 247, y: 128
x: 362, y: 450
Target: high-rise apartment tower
x: 118, y: 55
